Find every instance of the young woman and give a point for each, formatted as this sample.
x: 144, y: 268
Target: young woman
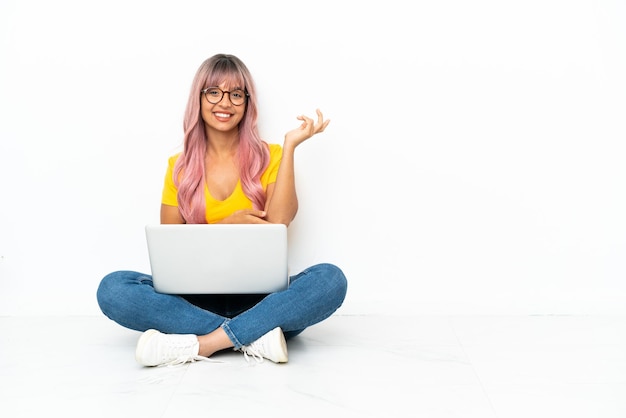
x: 225, y: 174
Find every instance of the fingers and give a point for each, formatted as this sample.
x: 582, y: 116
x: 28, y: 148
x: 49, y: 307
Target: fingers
x: 307, y: 129
x: 247, y: 216
x: 321, y: 123
x: 314, y: 128
x: 254, y: 214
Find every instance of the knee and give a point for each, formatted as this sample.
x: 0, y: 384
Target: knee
x: 106, y: 289
x: 336, y: 279
x: 110, y: 289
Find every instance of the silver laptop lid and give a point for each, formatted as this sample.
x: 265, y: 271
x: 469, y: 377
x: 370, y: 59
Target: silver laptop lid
x: 218, y: 258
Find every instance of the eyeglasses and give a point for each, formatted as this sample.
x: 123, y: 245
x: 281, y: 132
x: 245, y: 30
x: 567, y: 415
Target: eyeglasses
x: 214, y: 95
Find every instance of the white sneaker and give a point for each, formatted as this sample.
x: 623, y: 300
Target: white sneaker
x: 271, y: 346
x: 157, y: 349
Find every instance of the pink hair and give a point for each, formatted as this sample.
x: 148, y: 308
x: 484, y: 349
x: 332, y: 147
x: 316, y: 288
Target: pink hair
x: 253, y: 153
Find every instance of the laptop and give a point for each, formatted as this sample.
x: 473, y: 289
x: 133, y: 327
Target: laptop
x: 218, y: 258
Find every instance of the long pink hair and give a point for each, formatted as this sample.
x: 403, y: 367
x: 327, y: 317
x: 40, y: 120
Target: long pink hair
x: 253, y: 153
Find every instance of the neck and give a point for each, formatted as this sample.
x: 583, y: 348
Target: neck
x: 222, y: 144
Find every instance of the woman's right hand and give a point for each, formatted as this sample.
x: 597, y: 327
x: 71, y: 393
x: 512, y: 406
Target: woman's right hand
x: 245, y: 216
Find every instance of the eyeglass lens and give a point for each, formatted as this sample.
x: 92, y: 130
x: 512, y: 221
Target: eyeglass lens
x: 214, y: 95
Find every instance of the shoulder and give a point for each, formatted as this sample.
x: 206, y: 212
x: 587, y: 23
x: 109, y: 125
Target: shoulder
x: 173, y: 158
x: 276, y: 150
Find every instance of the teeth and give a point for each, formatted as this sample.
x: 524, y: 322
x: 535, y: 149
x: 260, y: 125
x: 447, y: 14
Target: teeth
x: 222, y: 115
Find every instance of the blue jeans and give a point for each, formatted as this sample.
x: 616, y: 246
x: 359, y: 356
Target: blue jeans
x: 129, y: 298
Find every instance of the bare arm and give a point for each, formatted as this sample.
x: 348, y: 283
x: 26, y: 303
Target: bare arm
x: 171, y: 215
x: 282, y: 200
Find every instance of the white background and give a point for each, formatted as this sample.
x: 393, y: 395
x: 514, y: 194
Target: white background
x: 474, y: 162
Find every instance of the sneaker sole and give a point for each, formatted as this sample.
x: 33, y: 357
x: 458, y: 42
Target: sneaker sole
x: 143, y: 340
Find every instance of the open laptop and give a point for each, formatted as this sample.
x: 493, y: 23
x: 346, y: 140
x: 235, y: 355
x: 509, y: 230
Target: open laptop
x: 218, y: 258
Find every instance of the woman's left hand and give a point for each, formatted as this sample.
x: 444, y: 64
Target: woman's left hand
x: 306, y: 130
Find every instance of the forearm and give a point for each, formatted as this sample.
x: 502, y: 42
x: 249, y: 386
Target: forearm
x: 283, y: 204
x: 171, y: 215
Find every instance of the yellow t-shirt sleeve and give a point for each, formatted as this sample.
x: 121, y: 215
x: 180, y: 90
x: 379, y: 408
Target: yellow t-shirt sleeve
x: 170, y: 192
x: 271, y: 172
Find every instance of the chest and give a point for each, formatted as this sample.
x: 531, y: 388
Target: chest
x: 221, y: 179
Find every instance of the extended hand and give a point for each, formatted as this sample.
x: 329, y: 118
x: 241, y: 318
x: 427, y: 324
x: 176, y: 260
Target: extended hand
x: 306, y: 130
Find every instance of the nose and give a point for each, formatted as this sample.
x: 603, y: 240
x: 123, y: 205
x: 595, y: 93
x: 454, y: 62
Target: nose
x: 225, y: 96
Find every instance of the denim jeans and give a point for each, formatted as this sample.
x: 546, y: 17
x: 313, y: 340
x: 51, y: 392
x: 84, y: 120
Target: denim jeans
x: 129, y: 298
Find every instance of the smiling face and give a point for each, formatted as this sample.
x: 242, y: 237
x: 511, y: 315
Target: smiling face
x: 223, y: 116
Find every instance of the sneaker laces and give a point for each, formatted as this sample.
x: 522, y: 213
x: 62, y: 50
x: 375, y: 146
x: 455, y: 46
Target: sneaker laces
x: 182, y: 359
x: 251, y: 351
x: 270, y: 346
x: 180, y: 354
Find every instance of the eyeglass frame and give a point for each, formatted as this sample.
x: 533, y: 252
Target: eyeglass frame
x: 204, y: 91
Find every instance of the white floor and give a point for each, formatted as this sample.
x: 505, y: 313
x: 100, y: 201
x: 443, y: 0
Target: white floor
x: 347, y: 366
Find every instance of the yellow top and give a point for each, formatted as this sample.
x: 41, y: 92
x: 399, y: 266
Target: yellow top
x: 216, y: 210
